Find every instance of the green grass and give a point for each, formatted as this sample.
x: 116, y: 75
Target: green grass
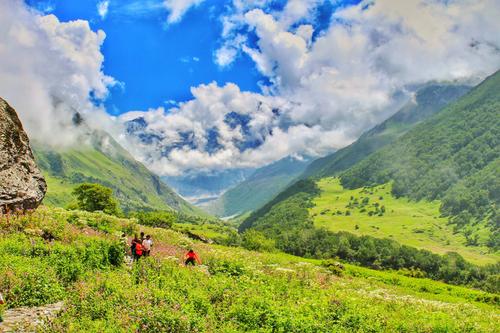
x: 236, y: 291
x: 409, y: 222
x: 135, y: 187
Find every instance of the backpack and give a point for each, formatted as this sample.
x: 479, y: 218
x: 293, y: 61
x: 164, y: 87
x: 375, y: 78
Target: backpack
x: 138, y: 249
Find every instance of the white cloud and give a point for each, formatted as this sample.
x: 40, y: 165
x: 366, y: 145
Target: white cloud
x: 225, y: 56
x: 327, y: 90
x: 48, y: 69
x: 177, y: 8
x: 102, y: 8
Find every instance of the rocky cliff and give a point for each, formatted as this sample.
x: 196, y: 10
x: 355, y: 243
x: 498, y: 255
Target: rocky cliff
x: 22, y: 186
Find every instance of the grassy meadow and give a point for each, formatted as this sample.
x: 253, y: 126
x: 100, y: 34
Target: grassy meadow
x: 235, y: 290
x: 414, y: 223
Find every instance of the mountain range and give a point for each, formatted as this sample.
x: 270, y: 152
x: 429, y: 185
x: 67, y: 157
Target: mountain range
x: 440, y: 152
x: 100, y: 159
x: 261, y: 186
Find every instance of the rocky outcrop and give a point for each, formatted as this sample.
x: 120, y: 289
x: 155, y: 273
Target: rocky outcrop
x: 22, y: 186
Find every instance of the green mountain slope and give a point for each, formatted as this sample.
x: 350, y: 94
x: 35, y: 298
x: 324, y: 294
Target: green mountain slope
x: 259, y: 188
x: 424, y: 164
x: 453, y: 156
x: 102, y: 160
x: 376, y: 212
x: 428, y: 100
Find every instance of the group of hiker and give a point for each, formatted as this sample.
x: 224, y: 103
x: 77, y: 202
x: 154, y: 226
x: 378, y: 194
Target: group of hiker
x: 141, y: 247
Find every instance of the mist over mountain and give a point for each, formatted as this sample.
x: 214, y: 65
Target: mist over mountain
x: 100, y: 159
x: 262, y: 185
x: 201, y: 187
x: 451, y: 156
x: 427, y: 101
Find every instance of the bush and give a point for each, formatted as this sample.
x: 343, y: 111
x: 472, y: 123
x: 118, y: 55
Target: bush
x: 335, y: 267
x: 96, y: 197
x: 161, y: 219
x: 256, y: 241
x: 226, y: 267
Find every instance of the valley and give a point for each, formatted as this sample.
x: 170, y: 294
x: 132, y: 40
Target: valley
x: 226, y: 166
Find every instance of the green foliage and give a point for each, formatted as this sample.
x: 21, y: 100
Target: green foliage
x: 288, y: 222
x: 29, y: 282
x: 95, y: 197
x: 162, y: 219
x: 257, y: 241
x: 454, y: 156
x: 236, y: 291
x: 298, y: 196
x: 335, y: 267
x: 414, y: 223
x: 104, y: 161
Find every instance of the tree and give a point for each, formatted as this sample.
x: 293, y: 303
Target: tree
x: 96, y: 197
x: 256, y: 241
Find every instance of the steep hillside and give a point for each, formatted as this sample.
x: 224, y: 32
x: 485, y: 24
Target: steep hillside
x: 235, y: 290
x: 428, y: 100
x: 100, y: 159
x: 449, y: 161
x: 453, y: 156
x: 259, y: 188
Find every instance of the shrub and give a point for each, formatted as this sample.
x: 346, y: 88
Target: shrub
x: 335, y: 267
x: 256, y: 241
x: 161, y: 219
x: 96, y: 197
x: 226, y: 267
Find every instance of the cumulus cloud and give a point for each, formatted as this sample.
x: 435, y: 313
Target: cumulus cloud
x: 102, y: 8
x: 49, y: 70
x: 177, y: 8
x: 326, y: 87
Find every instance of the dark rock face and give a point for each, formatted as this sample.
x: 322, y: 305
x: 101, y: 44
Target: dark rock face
x: 22, y: 186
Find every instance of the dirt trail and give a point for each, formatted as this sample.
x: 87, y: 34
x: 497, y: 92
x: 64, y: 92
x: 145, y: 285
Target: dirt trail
x: 25, y: 319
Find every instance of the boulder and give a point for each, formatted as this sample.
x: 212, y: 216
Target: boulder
x: 22, y: 185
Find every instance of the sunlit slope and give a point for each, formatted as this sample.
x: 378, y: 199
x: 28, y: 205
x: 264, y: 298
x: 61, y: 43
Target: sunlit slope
x: 104, y: 161
x: 376, y: 212
x: 453, y: 156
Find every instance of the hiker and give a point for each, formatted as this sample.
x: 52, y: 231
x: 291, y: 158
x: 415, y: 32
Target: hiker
x: 136, y: 248
x: 142, y: 236
x: 192, y: 258
x: 2, y: 302
x: 147, y: 244
x: 124, y: 242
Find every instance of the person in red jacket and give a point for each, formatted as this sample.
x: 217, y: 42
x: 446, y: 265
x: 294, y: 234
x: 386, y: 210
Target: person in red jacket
x: 136, y: 248
x: 191, y: 258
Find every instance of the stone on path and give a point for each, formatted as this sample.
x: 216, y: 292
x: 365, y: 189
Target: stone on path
x: 26, y: 319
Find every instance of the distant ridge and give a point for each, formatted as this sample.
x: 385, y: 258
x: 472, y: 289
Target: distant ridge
x: 102, y: 160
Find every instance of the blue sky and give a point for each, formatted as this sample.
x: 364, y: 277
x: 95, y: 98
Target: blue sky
x: 257, y: 80
x: 159, y: 62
